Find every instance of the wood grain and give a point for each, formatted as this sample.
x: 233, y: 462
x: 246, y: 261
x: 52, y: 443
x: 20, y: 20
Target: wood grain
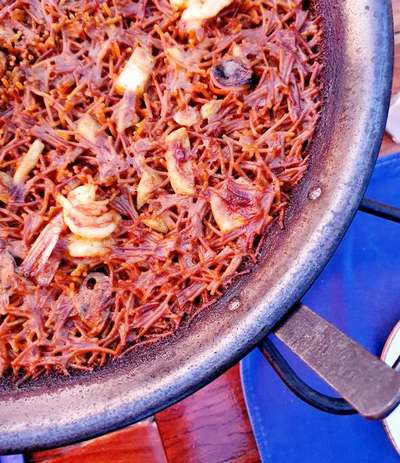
x: 388, y: 145
x: 137, y: 444
x: 396, y: 15
x: 211, y: 426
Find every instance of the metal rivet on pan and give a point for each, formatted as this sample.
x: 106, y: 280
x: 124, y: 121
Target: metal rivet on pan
x: 234, y: 304
x: 314, y: 193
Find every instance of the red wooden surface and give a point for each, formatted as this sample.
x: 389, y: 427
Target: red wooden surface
x: 210, y: 427
x: 136, y: 444
x: 388, y: 146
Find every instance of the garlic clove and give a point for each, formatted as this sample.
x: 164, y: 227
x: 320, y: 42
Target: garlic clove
x: 179, y: 4
x: 198, y: 10
x: 28, y: 162
x: 149, y: 181
x: 6, y: 183
x: 226, y: 220
x: 84, y: 247
x: 211, y: 108
x: 89, y: 128
x: 234, y: 205
x: 179, y: 164
x: 187, y: 117
x: 82, y: 194
x: 156, y: 223
x: 136, y: 73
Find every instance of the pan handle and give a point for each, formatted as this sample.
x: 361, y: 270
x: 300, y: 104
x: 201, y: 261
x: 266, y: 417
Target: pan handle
x: 303, y: 391
x: 368, y: 386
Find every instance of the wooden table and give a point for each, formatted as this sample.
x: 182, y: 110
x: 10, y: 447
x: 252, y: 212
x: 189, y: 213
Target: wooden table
x: 388, y: 146
x: 211, y: 426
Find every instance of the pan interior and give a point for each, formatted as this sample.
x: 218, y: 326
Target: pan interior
x: 357, y: 80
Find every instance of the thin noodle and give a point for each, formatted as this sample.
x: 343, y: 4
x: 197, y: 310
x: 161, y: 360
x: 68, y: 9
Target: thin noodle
x: 59, y: 61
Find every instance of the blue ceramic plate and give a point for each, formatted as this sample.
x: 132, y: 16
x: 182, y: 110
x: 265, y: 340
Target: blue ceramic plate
x: 359, y: 291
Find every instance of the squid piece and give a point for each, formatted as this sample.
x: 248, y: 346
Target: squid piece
x: 179, y: 4
x: 93, y: 301
x: 7, y: 278
x: 234, y: 205
x: 84, y: 247
x: 175, y: 54
x: 3, y: 63
x: 136, y: 73
x: 89, y: 222
x: 28, y: 162
x: 87, y: 217
x: 197, y: 11
x: 83, y: 194
x: 41, y: 250
x: 149, y: 181
x: 210, y: 109
x: 124, y: 113
x: 179, y: 164
x: 162, y: 223
x: 89, y: 128
x: 187, y: 117
x: 156, y: 223
x: 231, y: 74
x: 6, y: 183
